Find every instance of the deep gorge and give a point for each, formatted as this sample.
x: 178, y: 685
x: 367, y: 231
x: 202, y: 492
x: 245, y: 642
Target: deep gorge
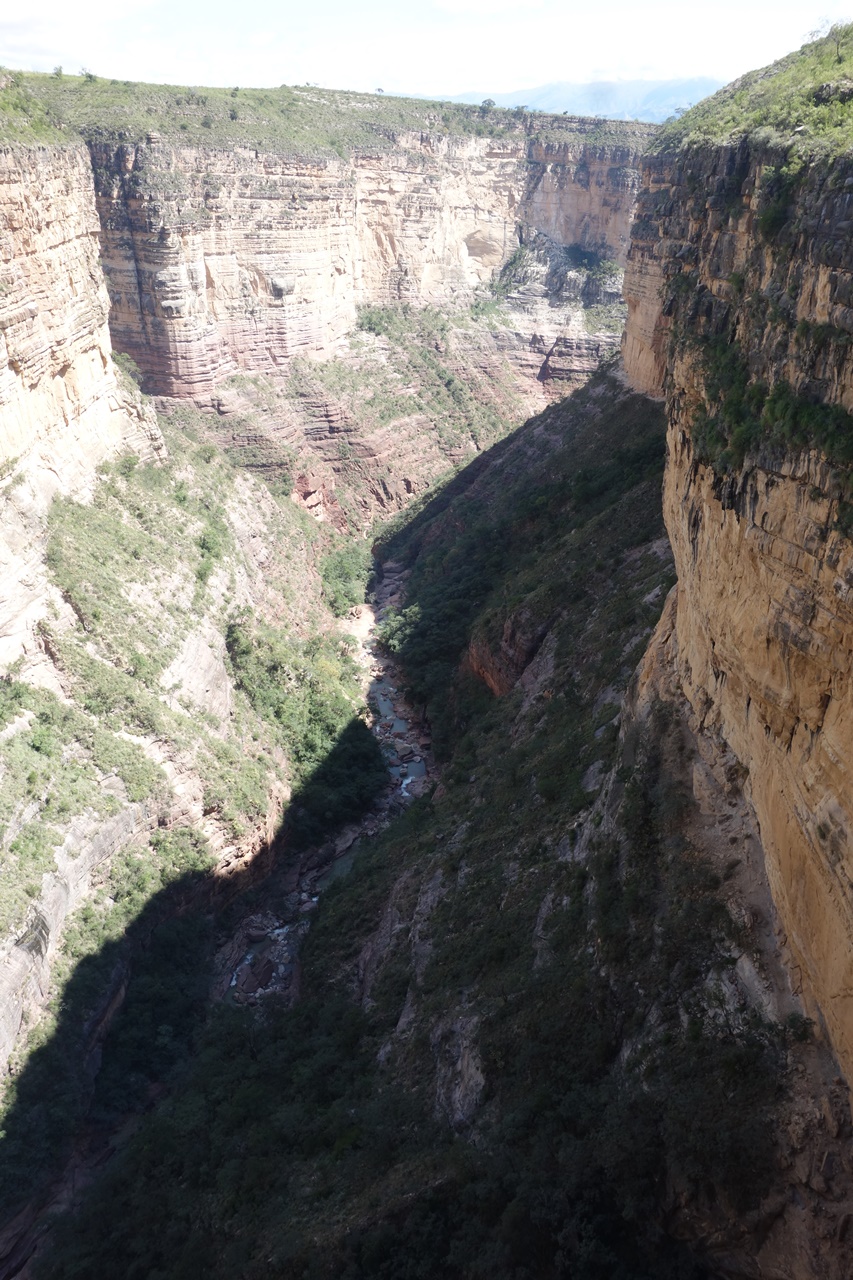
x: 577, y: 1006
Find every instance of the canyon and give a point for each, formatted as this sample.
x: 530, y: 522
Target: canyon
x: 201, y: 264
x: 584, y: 992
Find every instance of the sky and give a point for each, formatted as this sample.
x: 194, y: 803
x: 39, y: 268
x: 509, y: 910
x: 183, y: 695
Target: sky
x: 436, y: 47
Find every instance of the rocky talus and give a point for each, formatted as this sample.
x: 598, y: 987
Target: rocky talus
x: 763, y: 632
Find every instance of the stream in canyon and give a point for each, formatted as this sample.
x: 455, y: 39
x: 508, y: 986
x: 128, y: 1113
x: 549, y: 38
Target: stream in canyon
x: 262, y: 957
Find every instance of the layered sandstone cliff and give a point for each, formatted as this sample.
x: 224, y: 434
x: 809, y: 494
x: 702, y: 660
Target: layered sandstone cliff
x: 62, y: 409
x: 219, y: 261
x: 738, y: 280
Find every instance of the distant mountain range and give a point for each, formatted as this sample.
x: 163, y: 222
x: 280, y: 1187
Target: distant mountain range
x: 652, y: 100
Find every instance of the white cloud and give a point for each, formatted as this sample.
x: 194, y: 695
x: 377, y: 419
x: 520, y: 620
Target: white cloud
x: 487, y: 8
x: 440, y: 47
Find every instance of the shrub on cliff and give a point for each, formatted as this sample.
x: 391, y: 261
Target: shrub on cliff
x: 307, y: 691
x: 799, y: 106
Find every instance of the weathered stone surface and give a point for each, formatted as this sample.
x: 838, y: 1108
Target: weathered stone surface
x: 763, y: 630
x: 581, y: 195
x: 59, y: 398
x: 218, y: 261
x: 62, y: 410
x: 796, y: 1232
x: 500, y: 663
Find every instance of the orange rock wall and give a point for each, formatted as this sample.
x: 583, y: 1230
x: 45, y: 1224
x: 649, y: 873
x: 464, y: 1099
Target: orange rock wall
x: 764, y: 613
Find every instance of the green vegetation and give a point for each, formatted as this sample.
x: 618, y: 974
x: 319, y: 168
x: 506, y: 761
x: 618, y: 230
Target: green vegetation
x: 131, y: 566
x: 801, y: 105
x: 518, y: 1030
x: 298, y: 119
x: 311, y: 694
x: 136, y: 566
x: 408, y: 362
x: 54, y: 759
x: 128, y: 367
x: 514, y: 273
x: 288, y: 1153
x: 590, y: 984
x: 461, y: 404
x: 603, y: 270
x: 545, y: 539
x: 602, y: 276
x: 608, y: 317
x: 135, y: 926
x: 778, y: 190
x: 112, y: 559
x: 25, y: 116
x: 345, y: 573
x: 744, y: 414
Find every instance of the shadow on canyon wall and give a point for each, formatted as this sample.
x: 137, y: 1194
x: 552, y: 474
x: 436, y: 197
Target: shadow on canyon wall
x: 488, y: 1073
x: 129, y: 1016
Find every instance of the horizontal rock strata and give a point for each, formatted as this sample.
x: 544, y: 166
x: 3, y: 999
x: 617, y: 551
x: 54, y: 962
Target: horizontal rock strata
x: 764, y: 627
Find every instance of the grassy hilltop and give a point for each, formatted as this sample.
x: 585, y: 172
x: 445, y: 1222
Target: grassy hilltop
x: 37, y: 107
x: 804, y: 100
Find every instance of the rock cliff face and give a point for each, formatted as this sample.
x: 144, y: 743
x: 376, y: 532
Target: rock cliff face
x: 219, y: 261
x: 205, y: 263
x: 62, y: 410
x: 58, y: 390
x: 727, y: 253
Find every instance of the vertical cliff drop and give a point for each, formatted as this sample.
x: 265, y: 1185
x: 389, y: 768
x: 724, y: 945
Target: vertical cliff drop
x: 738, y: 290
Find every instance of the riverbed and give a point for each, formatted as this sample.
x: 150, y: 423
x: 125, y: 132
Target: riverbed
x: 262, y: 957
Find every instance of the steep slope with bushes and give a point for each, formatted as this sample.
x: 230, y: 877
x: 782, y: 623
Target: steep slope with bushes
x: 538, y: 1030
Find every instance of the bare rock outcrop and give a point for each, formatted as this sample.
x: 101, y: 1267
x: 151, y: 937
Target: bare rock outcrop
x: 801, y: 1227
x: 219, y: 261
x: 499, y: 663
x: 763, y: 622
x: 62, y: 407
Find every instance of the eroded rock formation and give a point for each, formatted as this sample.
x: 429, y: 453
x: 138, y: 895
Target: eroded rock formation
x: 218, y: 261
x: 763, y: 632
x: 62, y: 409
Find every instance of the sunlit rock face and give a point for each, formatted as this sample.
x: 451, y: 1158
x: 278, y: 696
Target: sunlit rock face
x: 218, y: 261
x: 62, y: 410
x: 58, y: 389
x: 763, y: 632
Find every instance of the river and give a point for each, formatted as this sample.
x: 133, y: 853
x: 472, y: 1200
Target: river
x: 262, y: 957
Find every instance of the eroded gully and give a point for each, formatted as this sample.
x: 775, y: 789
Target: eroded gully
x: 261, y: 959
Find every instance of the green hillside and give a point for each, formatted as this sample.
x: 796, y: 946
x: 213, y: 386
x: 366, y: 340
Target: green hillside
x: 804, y: 102
x: 300, y: 119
